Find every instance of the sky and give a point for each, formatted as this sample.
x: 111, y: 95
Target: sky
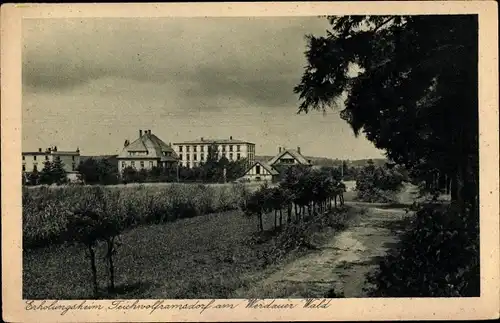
x: 93, y: 83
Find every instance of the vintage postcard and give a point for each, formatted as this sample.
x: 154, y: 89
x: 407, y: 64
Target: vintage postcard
x: 208, y: 162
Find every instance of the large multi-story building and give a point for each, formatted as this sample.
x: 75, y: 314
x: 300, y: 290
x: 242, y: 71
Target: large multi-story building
x: 192, y: 153
x: 146, y: 152
x: 34, y: 160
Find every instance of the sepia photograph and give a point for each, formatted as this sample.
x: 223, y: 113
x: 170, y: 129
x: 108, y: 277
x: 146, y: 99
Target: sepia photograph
x: 303, y: 158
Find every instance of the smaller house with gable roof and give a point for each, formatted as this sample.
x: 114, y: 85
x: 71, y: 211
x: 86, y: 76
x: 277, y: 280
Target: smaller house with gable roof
x: 270, y: 170
x: 146, y: 152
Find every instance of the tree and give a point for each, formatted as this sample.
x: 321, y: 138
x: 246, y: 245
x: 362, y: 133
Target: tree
x: 53, y: 172
x: 88, y: 171
x: 58, y: 173
x: 411, y: 87
x: 92, y: 222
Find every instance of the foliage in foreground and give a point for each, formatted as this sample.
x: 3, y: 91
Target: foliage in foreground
x: 438, y: 257
x: 46, y: 211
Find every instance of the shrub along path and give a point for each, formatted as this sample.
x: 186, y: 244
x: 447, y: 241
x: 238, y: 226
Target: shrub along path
x: 342, y: 261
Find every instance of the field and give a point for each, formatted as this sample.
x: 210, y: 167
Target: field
x: 212, y: 254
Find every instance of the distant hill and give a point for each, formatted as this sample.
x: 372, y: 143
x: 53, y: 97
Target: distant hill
x: 324, y: 161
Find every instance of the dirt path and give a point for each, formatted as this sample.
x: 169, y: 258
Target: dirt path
x: 342, y: 262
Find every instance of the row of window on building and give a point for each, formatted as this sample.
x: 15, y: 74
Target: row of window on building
x: 47, y: 158
x: 141, y: 163
x: 35, y: 167
x: 203, y: 157
x: 204, y: 148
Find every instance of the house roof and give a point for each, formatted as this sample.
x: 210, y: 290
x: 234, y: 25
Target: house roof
x: 151, y: 144
x: 213, y: 141
x: 267, y: 167
x: 294, y: 153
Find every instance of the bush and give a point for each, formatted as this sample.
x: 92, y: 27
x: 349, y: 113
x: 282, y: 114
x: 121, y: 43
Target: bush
x: 378, y: 184
x: 438, y: 257
x: 46, y: 210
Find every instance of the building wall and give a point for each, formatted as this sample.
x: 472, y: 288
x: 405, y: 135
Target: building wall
x: 30, y: 160
x: 191, y: 155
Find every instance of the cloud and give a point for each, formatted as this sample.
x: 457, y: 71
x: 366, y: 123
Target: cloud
x: 255, y: 59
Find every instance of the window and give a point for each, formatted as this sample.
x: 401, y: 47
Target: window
x: 24, y: 167
x: 35, y: 168
x: 187, y: 148
x: 187, y: 156
x: 73, y: 158
x: 46, y: 157
x: 180, y: 149
x: 132, y: 163
x: 180, y: 156
x: 238, y: 148
x: 151, y: 164
x: 230, y: 156
x: 202, y: 157
x: 73, y: 166
x: 257, y: 169
x: 238, y: 156
x: 231, y: 148
x: 194, y: 148
x: 195, y: 157
x: 123, y: 164
x: 34, y: 157
x: 223, y: 148
x: 24, y: 157
x: 142, y: 164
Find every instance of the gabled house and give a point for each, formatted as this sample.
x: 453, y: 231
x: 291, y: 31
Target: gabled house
x: 146, y: 152
x: 270, y: 170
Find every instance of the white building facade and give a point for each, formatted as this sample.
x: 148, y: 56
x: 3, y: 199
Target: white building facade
x: 33, y: 161
x: 193, y: 153
x: 146, y: 152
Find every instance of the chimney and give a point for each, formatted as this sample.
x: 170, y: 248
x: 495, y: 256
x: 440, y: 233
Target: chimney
x: 149, y: 131
x: 279, y: 149
x: 201, y: 138
x: 298, y: 150
x: 55, y: 148
x: 140, y: 133
x: 39, y: 150
x: 230, y: 137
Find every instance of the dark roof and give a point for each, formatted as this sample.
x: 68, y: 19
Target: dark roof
x: 153, y: 145
x: 295, y: 154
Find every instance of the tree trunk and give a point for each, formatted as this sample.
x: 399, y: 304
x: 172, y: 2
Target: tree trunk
x: 289, y: 210
x: 281, y: 217
x: 93, y: 269
x: 275, y: 219
x: 111, y: 285
x: 261, y: 222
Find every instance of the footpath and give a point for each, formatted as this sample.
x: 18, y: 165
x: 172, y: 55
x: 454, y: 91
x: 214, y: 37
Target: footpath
x: 341, y: 262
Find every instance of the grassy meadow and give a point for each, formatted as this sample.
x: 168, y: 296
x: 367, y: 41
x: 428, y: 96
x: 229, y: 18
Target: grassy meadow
x: 182, y: 241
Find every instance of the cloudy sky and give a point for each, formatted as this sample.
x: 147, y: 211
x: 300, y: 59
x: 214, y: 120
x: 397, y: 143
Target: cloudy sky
x: 93, y: 83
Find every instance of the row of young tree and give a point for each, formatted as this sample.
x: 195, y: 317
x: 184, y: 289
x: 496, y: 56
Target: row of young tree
x: 302, y: 191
